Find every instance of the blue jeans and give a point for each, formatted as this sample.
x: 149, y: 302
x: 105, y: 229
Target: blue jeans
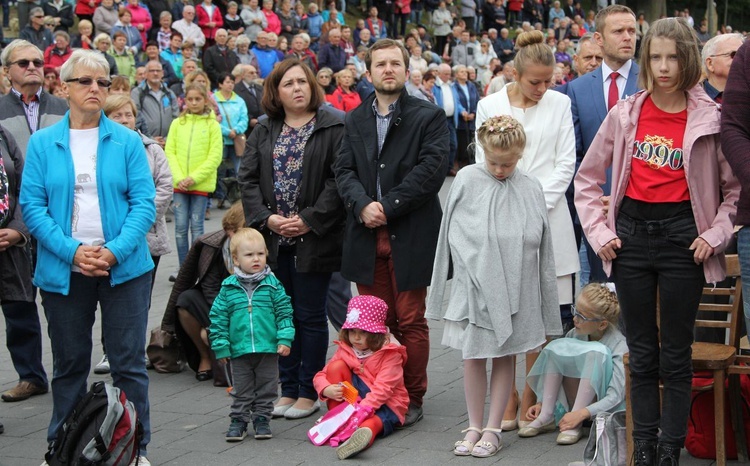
x: 308, y: 356
x: 23, y: 336
x: 655, y: 254
x: 189, y: 211
x: 743, y: 249
x: 124, y: 320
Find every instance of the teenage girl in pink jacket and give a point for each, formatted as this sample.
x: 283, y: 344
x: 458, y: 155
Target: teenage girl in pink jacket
x: 372, y: 360
x: 665, y: 229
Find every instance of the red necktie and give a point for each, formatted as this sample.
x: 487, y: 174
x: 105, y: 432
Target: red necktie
x: 614, y: 94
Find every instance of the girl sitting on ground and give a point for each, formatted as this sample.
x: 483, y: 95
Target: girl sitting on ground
x: 581, y: 375
x: 372, y: 360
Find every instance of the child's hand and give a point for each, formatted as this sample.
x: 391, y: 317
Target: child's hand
x: 223, y: 360
x: 533, y: 412
x: 574, y: 419
x: 283, y: 350
x: 334, y: 392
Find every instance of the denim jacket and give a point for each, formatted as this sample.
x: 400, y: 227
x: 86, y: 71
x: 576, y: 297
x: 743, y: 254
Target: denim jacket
x: 126, y: 201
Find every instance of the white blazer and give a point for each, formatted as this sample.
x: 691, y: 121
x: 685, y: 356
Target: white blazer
x: 550, y: 156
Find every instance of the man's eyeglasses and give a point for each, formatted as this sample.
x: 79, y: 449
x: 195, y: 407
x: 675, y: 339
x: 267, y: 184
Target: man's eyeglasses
x: 101, y: 82
x: 154, y: 71
x: 728, y: 54
x: 24, y: 63
x: 583, y: 317
x: 38, y: 16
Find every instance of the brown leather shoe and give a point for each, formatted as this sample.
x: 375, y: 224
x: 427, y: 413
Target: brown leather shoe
x: 23, y: 391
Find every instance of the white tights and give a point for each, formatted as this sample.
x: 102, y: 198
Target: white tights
x: 475, y: 390
x: 584, y: 395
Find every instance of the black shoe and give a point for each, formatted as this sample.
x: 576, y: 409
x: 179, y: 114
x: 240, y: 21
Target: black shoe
x: 413, y: 415
x: 262, y: 428
x: 669, y: 455
x: 173, y: 277
x: 645, y: 452
x: 202, y: 376
x: 2, y: 428
x: 237, y: 431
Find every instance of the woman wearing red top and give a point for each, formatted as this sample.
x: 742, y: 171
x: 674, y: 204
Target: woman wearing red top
x: 209, y: 20
x: 140, y: 18
x: 85, y: 9
x: 665, y: 227
x: 274, y: 23
x: 344, y: 98
x: 59, y: 52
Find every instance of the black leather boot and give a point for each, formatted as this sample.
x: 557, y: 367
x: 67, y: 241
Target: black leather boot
x: 669, y: 455
x: 645, y: 453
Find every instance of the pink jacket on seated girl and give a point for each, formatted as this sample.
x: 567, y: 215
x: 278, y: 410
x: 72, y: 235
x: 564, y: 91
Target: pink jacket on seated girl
x: 382, y: 372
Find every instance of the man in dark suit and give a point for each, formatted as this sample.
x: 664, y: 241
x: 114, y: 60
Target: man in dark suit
x: 594, y: 94
x: 392, y: 164
x: 251, y: 92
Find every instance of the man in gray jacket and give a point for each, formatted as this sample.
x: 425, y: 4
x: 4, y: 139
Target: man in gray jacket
x: 156, y: 103
x: 24, y: 110
x: 465, y: 51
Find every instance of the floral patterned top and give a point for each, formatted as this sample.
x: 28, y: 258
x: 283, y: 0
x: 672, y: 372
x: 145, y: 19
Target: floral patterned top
x: 287, y: 169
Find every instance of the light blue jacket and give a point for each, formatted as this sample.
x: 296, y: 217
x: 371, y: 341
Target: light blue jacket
x: 126, y: 200
x: 232, y: 111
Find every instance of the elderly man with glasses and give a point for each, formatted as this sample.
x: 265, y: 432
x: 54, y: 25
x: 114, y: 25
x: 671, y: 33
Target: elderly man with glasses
x: 25, y: 109
x: 247, y: 87
x: 90, y: 216
x: 35, y: 32
x: 717, y: 56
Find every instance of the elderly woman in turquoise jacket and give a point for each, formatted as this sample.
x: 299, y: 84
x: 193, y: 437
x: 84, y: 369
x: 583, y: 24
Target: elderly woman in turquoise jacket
x: 88, y: 198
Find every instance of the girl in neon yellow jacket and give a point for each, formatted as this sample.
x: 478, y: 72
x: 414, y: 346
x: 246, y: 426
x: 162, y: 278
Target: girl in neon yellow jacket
x: 194, y: 150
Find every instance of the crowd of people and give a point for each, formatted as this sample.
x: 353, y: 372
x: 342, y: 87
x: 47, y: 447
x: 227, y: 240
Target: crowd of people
x: 578, y: 140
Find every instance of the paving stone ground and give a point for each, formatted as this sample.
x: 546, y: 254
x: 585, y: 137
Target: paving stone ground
x: 189, y: 418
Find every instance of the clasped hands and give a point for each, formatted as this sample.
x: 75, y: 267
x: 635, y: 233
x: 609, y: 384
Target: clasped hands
x: 373, y: 215
x: 94, y: 261
x: 287, y: 227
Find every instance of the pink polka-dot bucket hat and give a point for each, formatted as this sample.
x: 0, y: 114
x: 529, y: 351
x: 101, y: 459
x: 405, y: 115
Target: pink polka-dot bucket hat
x: 366, y: 313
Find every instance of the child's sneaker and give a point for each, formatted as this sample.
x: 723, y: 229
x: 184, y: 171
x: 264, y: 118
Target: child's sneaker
x: 237, y: 431
x: 262, y: 428
x: 359, y: 440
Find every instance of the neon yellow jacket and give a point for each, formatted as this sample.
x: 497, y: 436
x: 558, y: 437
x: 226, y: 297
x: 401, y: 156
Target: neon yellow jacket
x: 194, y: 148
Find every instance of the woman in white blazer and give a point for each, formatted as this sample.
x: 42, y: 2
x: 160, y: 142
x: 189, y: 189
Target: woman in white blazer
x: 549, y: 156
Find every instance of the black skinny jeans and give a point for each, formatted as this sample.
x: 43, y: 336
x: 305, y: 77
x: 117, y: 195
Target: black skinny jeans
x: 655, y: 254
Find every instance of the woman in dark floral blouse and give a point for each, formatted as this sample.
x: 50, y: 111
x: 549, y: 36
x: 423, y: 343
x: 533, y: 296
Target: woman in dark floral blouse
x: 289, y: 193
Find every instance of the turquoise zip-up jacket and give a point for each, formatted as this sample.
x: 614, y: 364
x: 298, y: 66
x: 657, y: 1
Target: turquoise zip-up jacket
x: 237, y: 328
x: 126, y: 201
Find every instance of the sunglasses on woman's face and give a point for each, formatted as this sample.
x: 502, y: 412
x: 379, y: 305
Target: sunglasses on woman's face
x: 101, y: 82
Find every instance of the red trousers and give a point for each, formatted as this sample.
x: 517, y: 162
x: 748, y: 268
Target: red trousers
x: 338, y: 371
x: 405, y: 319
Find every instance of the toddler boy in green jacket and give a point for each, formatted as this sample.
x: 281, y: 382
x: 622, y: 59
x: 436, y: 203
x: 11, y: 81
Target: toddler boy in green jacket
x: 251, y: 325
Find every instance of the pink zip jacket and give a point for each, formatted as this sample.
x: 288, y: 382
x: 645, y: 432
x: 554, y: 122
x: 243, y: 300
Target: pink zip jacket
x: 383, y: 372
x: 706, y: 170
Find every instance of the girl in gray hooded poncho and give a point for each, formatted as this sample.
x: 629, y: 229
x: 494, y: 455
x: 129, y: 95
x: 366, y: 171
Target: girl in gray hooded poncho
x: 503, y: 298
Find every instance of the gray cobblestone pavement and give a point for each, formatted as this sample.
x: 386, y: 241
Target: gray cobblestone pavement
x: 189, y: 418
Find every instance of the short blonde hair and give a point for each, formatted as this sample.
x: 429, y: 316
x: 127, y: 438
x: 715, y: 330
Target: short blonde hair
x: 602, y: 301
x: 502, y: 132
x: 117, y: 101
x: 245, y: 235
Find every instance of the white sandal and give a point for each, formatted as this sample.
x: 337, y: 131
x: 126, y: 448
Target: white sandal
x: 464, y: 447
x: 485, y: 449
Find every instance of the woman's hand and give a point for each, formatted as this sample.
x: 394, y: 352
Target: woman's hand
x: 702, y: 250
x: 283, y: 350
x: 92, y: 260
x: 276, y: 222
x: 574, y: 419
x: 334, y: 392
x: 607, y: 252
x: 232, y: 134
x: 294, y: 227
x: 533, y: 411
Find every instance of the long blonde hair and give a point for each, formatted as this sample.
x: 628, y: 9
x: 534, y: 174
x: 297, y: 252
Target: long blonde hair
x: 206, y: 106
x: 603, y: 302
